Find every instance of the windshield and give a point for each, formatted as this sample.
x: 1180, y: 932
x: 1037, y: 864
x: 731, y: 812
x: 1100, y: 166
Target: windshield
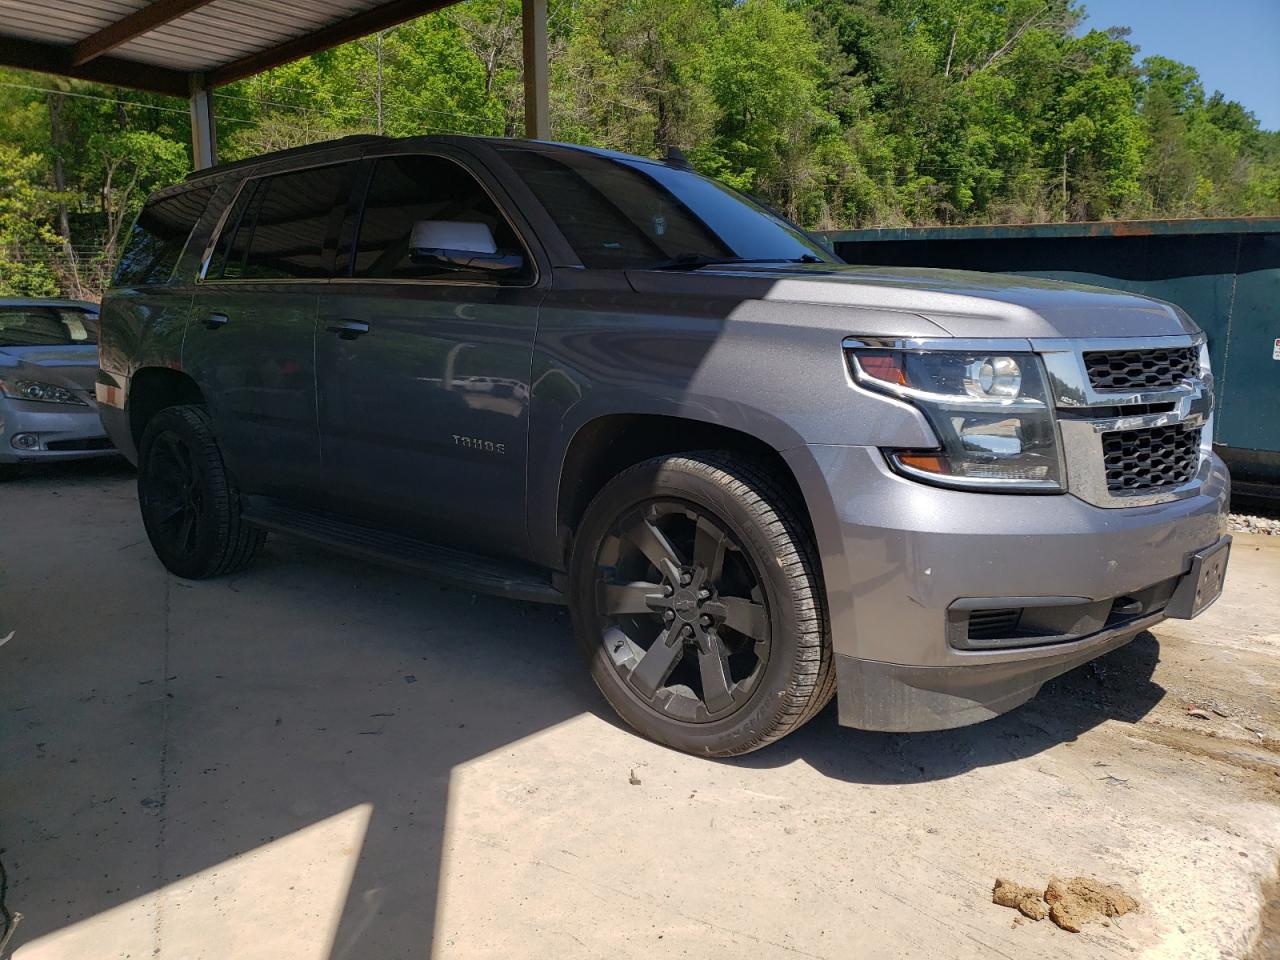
x: 619, y: 213
x: 46, y: 326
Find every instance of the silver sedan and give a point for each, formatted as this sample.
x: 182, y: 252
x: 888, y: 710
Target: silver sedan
x: 48, y: 364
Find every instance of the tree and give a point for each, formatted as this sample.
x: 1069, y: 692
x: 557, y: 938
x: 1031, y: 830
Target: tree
x: 765, y: 75
x: 839, y: 112
x: 1178, y: 83
x: 25, y: 232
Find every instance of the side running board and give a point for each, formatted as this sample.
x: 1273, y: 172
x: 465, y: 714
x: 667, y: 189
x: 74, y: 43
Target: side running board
x: 457, y: 568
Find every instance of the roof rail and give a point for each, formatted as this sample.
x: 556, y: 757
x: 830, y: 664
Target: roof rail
x: 291, y: 152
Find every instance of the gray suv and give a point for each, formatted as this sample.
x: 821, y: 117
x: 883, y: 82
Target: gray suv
x: 758, y: 476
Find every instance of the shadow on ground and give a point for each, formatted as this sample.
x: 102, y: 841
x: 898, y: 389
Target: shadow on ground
x: 53, y: 474
x: 1118, y: 686
x: 154, y: 728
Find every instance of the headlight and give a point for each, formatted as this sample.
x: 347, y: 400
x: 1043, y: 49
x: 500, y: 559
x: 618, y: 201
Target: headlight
x: 990, y: 411
x: 1206, y: 377
x: 40, y: 391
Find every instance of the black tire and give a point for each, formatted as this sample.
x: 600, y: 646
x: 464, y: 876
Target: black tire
x: 775, y: 668
x: 8, y: 471
x: 190, y: 505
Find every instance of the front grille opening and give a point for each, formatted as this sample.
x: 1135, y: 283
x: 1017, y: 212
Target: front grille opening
x: 1150, y: 459
x: 994, y: 624
x: 1003, y: 628
x: 93, y: 443
x: 1141, y: 369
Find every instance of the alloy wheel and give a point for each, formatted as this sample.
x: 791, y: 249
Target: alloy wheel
x: 683, y: 615
x: 174, y: 501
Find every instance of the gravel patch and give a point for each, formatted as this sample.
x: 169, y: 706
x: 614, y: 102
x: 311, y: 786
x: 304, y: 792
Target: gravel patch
x: 1255, y: 523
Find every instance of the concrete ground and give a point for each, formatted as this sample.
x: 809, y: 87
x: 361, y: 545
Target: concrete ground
x: 324, y: 759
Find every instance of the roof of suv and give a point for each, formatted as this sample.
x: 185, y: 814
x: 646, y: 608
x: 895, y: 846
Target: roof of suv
x: 363, y: 140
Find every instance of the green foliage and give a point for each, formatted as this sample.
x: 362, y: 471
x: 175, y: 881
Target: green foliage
x: 25, y: 234
x: 838, y: 112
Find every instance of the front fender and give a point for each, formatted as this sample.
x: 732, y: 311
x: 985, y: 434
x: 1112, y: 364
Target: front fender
x: 773, y: 371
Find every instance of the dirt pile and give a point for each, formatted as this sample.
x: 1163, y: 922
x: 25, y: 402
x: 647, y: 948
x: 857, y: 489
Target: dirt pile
x: 1023, y: 899
x: 1078, y: 901
x: 1068, y: 903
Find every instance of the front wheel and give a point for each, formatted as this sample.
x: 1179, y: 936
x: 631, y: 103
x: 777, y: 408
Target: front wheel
x: 697, y: 599
x: 190, y: 505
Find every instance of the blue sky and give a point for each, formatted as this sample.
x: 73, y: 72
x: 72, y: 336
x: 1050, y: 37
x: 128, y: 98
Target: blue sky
x: 1235, y: 44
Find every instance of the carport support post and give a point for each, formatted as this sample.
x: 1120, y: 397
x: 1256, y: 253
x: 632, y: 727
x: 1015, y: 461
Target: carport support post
x: 204, y: 132
x: 537, y: 120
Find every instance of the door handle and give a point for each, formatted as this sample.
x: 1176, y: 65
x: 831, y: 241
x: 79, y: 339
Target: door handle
x: 216, y: 320
x: 348, y: 329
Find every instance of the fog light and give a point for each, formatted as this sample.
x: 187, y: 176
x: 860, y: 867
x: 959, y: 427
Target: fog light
x: 26, y: 441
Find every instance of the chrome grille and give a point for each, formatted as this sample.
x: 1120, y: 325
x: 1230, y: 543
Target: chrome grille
x: 1141, y: 369
x: 1148, y: 459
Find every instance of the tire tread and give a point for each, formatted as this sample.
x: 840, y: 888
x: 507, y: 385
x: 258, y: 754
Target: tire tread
x: 236, y: 542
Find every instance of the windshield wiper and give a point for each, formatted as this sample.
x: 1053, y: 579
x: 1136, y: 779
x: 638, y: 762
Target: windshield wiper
x: 692, y: 261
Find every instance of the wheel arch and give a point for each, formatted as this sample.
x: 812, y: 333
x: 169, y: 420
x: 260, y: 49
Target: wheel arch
x: 603, y: 447
x: 151, y: 390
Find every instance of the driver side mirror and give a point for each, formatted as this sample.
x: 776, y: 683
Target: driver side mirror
x: 457, y: 246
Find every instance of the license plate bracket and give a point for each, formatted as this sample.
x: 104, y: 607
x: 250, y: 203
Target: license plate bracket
x: 1202, y: 584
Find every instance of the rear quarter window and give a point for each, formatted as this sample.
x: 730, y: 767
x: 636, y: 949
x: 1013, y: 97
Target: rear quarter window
x: 158, y: 237
x: 278, y: 227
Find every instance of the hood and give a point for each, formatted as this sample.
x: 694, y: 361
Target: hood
x: 960, y: 302
x: 74, y: 366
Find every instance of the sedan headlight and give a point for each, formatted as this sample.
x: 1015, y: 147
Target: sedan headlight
x: 990, y: 411
x: 39, y: 391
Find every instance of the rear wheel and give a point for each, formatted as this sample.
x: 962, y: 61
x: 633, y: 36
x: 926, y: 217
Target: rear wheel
x: 190, y: 506
x: 697, y: 599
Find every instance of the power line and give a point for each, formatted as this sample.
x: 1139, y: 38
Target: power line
x: 224, y: 117
x: 394, y: 103
x: 634, y: 146
x: 102, y: 99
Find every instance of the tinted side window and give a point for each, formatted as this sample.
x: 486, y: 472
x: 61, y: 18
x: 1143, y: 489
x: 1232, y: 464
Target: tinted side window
x: 159, y: 236
x: 408, y: 192
x: 621, y: 213
x: 227, y: 262
x: 278, y: 225
x: 611, y: 215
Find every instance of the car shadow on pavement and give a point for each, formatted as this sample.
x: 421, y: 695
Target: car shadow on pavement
x: 154, y: 729
x: 1117, y: 686
x: 54, y: 472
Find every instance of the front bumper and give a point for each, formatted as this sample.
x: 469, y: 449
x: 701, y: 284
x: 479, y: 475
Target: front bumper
x: 899, y: 557
x: 64, y: 432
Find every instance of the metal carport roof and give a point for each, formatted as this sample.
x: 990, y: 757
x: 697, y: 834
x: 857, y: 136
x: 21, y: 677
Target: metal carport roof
x: 187, y: 47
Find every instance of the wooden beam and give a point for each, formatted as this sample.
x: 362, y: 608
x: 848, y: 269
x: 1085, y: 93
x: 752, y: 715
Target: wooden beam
x: 142, y: 21
x: 537, y: 100
x: 362, y: 24
x: 56, y: 59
